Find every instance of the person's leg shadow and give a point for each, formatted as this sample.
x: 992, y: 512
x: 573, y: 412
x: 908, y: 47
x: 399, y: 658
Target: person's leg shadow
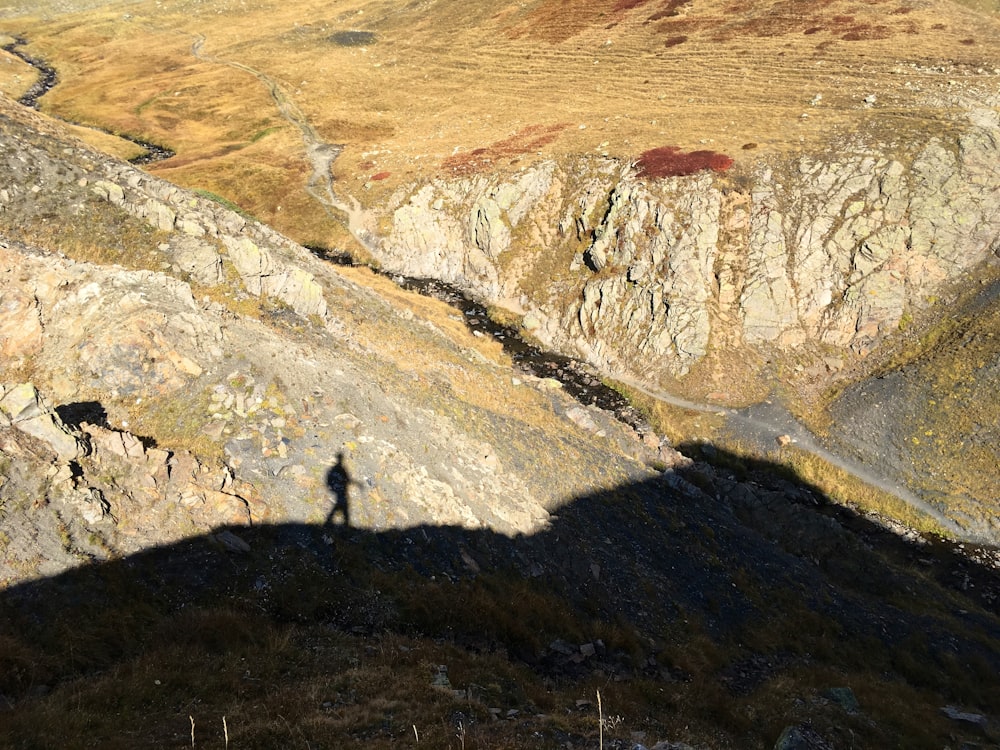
x: 338, y: 481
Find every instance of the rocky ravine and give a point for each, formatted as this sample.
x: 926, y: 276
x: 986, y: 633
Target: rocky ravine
x: 181, y: 381
x: 802, y: 266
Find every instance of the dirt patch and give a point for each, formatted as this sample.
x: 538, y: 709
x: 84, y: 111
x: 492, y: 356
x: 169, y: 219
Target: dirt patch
x: 353, y: 38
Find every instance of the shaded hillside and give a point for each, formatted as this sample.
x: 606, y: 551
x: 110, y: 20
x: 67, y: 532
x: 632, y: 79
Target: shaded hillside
x: 712, y: 619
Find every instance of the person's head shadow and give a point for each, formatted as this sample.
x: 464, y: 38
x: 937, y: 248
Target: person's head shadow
x: 338, y: 481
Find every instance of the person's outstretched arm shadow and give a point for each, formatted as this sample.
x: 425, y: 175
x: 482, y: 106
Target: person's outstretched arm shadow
x: 338, y: 481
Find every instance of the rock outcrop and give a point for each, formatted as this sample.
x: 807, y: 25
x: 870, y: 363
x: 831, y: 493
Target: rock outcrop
x: 74, y: 492
x: 645, y: 276
x: 199, y: 233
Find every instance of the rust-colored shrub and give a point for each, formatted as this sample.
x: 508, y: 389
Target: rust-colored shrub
x: 623, y: 5
x: 380, y: 176
x: 670, y: 161
x: 864, y: 31
x: 669, y: 9
x: 675, y: 40
x: 531, y: 138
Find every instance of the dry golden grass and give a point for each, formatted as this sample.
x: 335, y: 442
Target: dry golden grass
x: 431, y: 362
x: 846, y: 489
x: 443, y: 80
x: 16, y: 76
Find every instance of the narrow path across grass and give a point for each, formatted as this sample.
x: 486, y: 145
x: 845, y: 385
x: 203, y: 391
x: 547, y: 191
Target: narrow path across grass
x: 320, y: 153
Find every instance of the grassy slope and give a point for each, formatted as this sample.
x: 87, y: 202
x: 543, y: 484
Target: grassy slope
x: 451, y: 76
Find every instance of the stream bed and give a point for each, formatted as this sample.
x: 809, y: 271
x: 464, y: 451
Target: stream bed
x: 48, y: 78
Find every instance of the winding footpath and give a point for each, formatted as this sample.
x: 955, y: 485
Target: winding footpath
x: 763, y: 423
x: 320, y: 153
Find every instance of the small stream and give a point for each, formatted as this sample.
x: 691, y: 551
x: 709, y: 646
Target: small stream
x: 48, y: 78
x: 578, y: 379
x: 760, y: 424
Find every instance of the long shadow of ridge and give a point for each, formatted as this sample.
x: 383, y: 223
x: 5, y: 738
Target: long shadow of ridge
x: 690, y: 579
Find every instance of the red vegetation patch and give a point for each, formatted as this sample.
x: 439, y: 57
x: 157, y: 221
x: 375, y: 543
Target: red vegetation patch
x: 742, y: 19
x: 670, y: 161
x: 380, y: 176
x: 528, y: 139
x: 623, y: 5
x: 669, y: 9
x: 864, y: 31
x: 558, y: 20
x: 675, y: 40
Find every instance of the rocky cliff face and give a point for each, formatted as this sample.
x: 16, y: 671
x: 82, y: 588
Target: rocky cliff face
x: 644, y: 277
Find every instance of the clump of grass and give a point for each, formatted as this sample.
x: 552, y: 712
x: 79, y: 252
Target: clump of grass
x: 101, y: 234
x: 176, y: 420
x: 224, y: 202
x: 845, y: 489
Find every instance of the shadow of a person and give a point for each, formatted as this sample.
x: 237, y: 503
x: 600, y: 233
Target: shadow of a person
x: 338, y: 480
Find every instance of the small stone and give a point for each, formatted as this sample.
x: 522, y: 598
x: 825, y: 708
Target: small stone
x: 783, y: 440
x: 582, y: 418
x: 232, y: 542
x: 956, y: 714
x: 800, y: 738
x: 562, y: 647
x: 440, y: 678
x: 833, y: 364
x: 844, y: 697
